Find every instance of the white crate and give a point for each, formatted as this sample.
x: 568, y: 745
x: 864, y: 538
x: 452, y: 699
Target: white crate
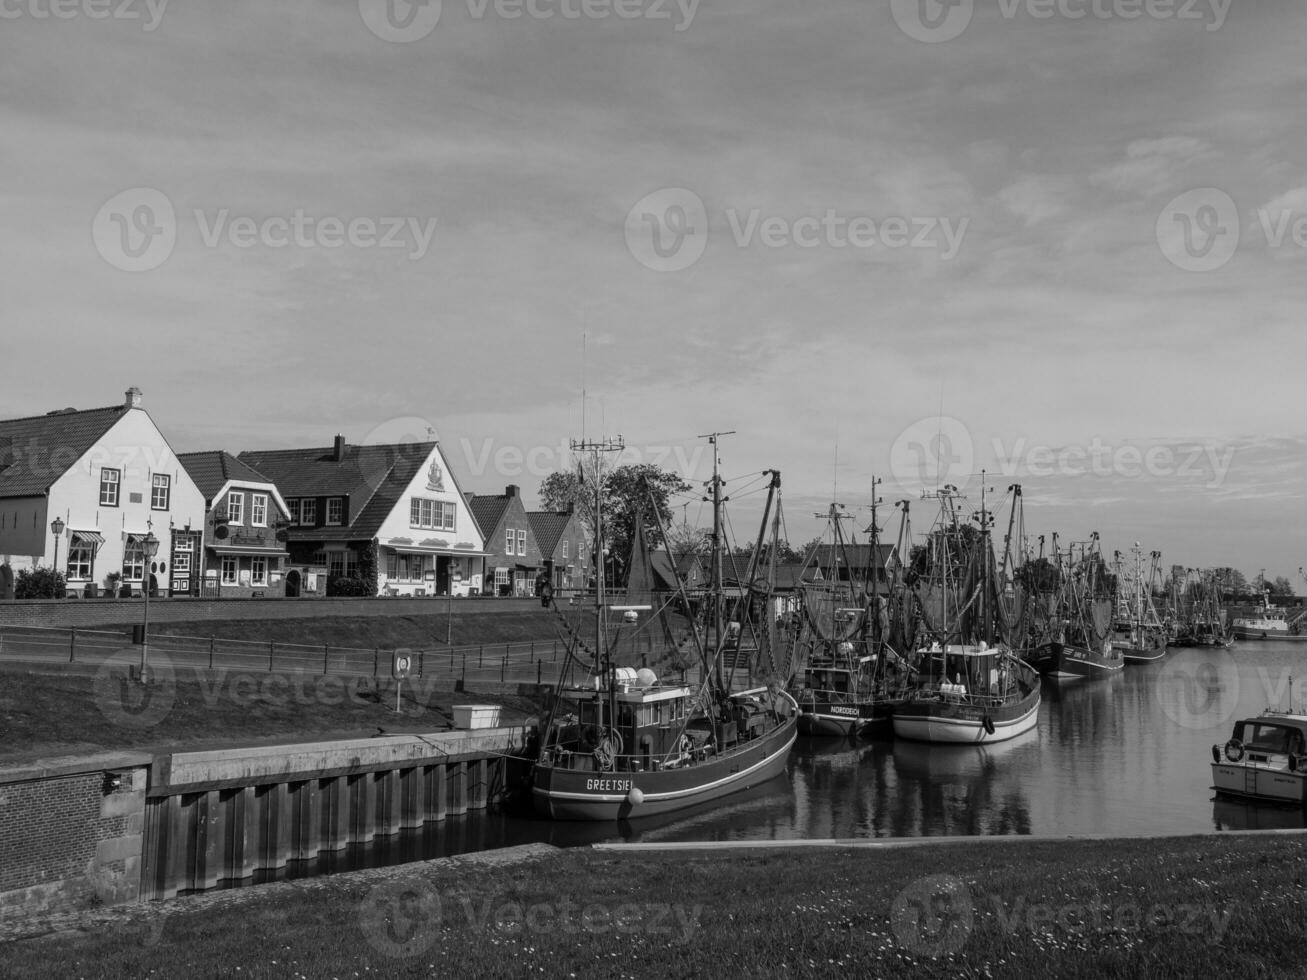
x: 476, y: 716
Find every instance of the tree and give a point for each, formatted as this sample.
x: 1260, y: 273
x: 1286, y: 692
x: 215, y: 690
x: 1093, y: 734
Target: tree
x: 626, y: 495
x: 686, y: 540
x: 1280, y: 587
x: 1231, y: 581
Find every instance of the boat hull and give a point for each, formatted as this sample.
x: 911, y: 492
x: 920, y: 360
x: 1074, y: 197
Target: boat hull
x: 569, y: 794
x: 1270, y: 636
x: 1066, y: 662
x: 1258, y: 782
x: 824, y: 722
x: 946, y: 721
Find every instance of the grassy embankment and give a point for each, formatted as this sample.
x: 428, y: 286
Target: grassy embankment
x: 1195, y: 907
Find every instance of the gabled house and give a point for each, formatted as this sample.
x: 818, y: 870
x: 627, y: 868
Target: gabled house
x: 82, y: 491
x: 375, y: 519
x: 513, y: 555
x: 561, y: 543
x: 241, y: 552
x: 851, y: 563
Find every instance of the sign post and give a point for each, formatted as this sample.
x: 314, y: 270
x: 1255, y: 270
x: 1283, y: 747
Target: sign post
x: 401, y: 667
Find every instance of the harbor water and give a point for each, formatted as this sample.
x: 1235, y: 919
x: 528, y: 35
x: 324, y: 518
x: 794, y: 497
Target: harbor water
x: 1129, y: 755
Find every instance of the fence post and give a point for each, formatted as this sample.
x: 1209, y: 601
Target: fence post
x: 422, y: 663
x: 272, y: 650
x: 326, y: 654
x: 481, y: 656
x: 72, y: 644
x: 376, y: 657
x: 211, y: 653
x: 555, y: 656
x: 464, y: 665
x: 503, y: 666
x: 539, y: 668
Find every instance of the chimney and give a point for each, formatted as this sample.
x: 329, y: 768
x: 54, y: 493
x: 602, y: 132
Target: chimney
x: 132, y: 399
x: 510, y: 490
x: 338, y: 452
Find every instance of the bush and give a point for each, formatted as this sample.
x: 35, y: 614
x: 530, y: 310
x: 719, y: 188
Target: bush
x: 42, y: 583
x: 349, y: 585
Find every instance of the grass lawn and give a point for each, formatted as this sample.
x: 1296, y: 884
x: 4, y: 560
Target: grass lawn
x: 45, y: 714
x: 1194, y: 907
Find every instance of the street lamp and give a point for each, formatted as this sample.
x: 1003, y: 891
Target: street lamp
x: 150, y: 547
x: 57, y: 529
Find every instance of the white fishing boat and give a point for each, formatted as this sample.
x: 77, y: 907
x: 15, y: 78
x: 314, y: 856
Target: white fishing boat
x: 1265, y: 759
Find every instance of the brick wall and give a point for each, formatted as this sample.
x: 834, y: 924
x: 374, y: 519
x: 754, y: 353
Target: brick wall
x: 66, y: 841
x: 97, y: 612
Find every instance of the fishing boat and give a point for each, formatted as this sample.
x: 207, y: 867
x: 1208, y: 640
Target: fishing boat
x: 1138, y: 633
x: 635, y: 746
x: 1075, y: 643
x: 1198, y: 617
x: 853, y: 679
x: 972, y: 688
x: 1269, y: 623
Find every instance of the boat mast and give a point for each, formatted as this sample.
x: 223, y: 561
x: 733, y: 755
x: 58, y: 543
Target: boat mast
x: 595, y: 448
x: 715, y: 584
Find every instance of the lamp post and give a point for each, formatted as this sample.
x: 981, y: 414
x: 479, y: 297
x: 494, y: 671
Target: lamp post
x: 57, y: 529
x: 150, y: 547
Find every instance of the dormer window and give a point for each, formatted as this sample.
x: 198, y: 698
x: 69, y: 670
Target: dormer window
x: 335, y: 510
x: 235, y: 508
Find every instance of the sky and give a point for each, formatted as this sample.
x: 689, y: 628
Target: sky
x: 1059, y: 241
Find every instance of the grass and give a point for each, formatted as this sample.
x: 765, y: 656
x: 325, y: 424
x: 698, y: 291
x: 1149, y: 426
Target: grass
x: 44, y: 714
x: 1194, y: 907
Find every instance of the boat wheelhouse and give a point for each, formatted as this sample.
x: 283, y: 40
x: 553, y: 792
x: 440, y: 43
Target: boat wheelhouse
x: 1264, y: 760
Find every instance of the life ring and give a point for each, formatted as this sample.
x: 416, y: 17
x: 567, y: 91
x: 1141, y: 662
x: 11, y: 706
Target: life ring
x: 1234, y: 750
x: 987, y: 723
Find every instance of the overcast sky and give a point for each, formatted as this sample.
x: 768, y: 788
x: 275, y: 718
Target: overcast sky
x: 1058, y: 241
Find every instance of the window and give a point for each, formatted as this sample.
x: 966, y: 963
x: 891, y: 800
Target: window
x: 81, y: 561
x: 320, y: 557
x: 181, y: 562
x: 335, y: 510
x: 564, y: 549
x: 501, y: 576
x: 228, y: 569
x: 258, y: 571
x: 308, y: 511
x: 235, y: 508
x: 435, y: 514
x: 109, y: 480
x: 336, y: 563
x: 293, y: 510
x: 133, y: 561
x: 161, y: 491
x: 521, y: 542
x: 259, y: 509
x: 510, y: 536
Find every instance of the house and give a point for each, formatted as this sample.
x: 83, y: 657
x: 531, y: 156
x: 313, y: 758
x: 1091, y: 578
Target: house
x: 89, y: 492
x: 242, y: 551
x: 375, y: 519
x: 851, y: 562
x: 514, y: 557
x: 561, y: 543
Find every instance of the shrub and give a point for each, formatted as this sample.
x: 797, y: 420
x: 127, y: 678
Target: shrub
x: 349, y: 585
x: 40, y: 583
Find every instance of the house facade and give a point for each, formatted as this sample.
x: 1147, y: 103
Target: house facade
x: 513, y: 556
x: 374, y: 520
x: 241, y: 551
x: 560, y: 542
x: 104, y: 479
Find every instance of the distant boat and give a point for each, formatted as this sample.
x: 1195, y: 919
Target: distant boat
x: 1138, y: 633
x: 1269, y: 624
x: 975, y: 690
x: 1074, y: 641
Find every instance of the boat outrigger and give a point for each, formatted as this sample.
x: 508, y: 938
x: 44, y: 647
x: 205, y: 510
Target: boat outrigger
x: 639, y: 747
